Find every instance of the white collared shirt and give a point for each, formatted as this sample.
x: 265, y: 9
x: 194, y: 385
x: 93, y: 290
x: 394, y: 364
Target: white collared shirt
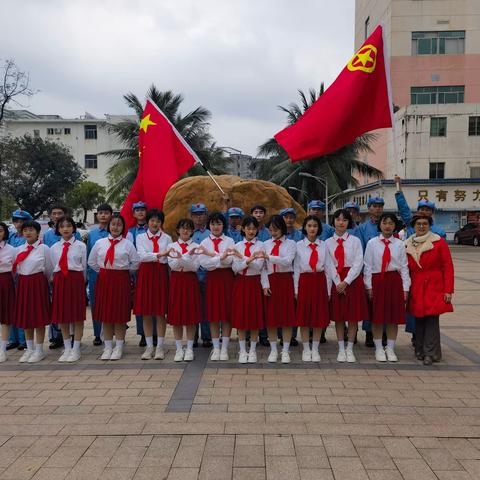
x: 353, y: 257
x: 37, y: 261
x: 76, y: 256
x: 373, y: 260
x: 302, y: 259
x: 240, y: 264
x: 7, y: 256
x: 145, y: 246
x: 126, y: 256
x: 187, y: 262
x: 284, y: 260
x: 212, y: 263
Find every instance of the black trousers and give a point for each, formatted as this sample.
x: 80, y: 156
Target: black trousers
x: 427, y: 336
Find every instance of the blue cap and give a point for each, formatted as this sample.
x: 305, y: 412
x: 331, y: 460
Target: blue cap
x: 235, y: 212
x: 23, y: 214
x: 286, y: 211
x: 139, y: 205
x: 352, y: 205
x: 426, y: 203
x: 316, y: 204
x: 198, y: 208
x: 375, y: 200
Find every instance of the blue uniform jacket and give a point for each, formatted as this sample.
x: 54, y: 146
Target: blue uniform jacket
x: 327, y: 231
x: 15, y: 240
x: 137, y: 230
x: 198, y: 236
x: 93, y: 236
x: 366, y: 231
x: 50, y: 238
x: 295, y: 235
x: 263, y: 234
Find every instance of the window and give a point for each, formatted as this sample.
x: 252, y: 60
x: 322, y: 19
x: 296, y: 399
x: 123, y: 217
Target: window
x: 66, y: 131
x: 474, y: 125
x: 90, y: 132
x: 367, y: 24
x: 90, y: 161
x: 58, y: 131
x: 437, y: 170
x: 438, y: 43
x: 438, y: 127
x: 50, y: 131
x: 474, y: 172
x: 434, y: 95
x: 36, y: 134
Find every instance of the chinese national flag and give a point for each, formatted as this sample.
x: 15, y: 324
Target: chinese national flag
x: 358, y: 101
x: 164, y: 157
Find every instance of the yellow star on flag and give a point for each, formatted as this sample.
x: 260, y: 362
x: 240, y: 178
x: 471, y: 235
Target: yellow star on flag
x: 365, y: 57
x: 145, y: 123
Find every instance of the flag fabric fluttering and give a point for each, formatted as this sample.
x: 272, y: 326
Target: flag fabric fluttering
x: 164, y: 157
x: 357, y: 102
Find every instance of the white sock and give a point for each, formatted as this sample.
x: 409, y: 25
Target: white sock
x: 160, y: 341
x: 286, y: 346
x: 341, y: 346
x: 273, y: 346
x: 108, y: 344
x: 391, y: 344
x: 306, y: 346
x: 241, y: 344
x: 3, y: 346
x: 119, y: 343
x: 29, y: 344
x: 149, y: 341
x: 378, y: 343
x: 315, y: 346
x: 253, y: 346
x: 189, y: 344
x: 225, y: 342
x: 76, y: 344
x: 216, y: 342
x: 350, y: 346
x: 178, y: 344
x: 67, y: 344
x: 39, y: 347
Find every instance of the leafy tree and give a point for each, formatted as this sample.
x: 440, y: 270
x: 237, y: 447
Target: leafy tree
x: 36, y: 173
x: 86, y: 195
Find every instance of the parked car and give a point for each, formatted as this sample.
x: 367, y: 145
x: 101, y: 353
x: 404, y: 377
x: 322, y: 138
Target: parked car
x: 470, y: 233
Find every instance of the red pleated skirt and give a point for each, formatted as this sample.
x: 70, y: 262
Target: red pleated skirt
x: 312, y: 301
x: 151, y: 291
x: 7, y: 298
x: 219, y: 291
x: 32, y: 301
x: 68, y: 300
x: 388, y: 305
x: 280, y: 305
x: 351, y: 307
x: 247, y: 313
x: 184, y: 302
x: 112, y: 296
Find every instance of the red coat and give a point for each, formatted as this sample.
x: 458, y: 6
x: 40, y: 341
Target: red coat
x: 431, y: 281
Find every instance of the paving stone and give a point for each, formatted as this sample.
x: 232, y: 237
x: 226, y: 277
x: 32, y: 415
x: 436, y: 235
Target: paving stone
x: 339, y: 446
x: 414, y: 469
x: 439, y: 459
x: 249, y: 456
x: 282, y: 468
x: 279, y: 445
x: 249, y: 473
x: 348, y: 469
x: 316, y: 474
x: 216, y: 468
x: 183, y: 474
x: 400, y: 448
x: 375, y: 458
x: 460, y: 448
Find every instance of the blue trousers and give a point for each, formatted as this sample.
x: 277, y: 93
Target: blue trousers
x: 410, y: 325
x: 97, y: 326
x: 17, y: 335
x: 205, y: 333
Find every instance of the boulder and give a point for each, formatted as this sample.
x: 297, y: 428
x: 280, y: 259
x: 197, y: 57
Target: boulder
x: 243, y: 193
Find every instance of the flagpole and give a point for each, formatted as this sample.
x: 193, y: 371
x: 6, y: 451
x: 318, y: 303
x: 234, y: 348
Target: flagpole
x: 213, y: 179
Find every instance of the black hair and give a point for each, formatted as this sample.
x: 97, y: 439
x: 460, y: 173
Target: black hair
x: 117, y: 216
x: 58, y: 206
x: 152, y: 213
x: 258, y: 207
x: 392, y: 217
x: 104, y: 207
x: 62, y: 220
x: 307, y: 219
x: 249, y: 220
x: 185, y: 222
x: 278, y: 222
x: 421, y: 217
x: 31, y: 224
x: 217, y: 217
x: 345, y: 213
x: 6, y: 231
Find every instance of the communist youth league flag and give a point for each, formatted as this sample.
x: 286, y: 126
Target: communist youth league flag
x: 164, y: 157
x: 358, y: 101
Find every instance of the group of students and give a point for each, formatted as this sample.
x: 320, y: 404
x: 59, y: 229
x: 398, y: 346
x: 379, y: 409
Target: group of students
x: 257, y: 275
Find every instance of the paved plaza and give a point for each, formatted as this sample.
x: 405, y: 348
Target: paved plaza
x: 164, y: 420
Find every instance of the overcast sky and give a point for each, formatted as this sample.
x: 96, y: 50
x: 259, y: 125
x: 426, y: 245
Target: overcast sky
x: 238, y: 58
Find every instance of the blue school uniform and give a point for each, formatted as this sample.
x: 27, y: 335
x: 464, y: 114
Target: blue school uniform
x: 16, y: 240
x: 136, y: 231
x: 50, y: 238
x: 327, y: 232
x: 295, y: 235
x: 263, y: 234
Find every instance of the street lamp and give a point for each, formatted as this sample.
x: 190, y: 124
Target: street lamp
x: 322, y: 181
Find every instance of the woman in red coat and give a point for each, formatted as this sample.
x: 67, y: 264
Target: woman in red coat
x: 431, y: 271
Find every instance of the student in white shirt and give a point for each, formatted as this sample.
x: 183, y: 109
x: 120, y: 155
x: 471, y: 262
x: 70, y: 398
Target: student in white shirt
x: 184, y: 305
x: 387, y: 281
x: 348, y: 297
x: 151, y: 290
x: 69, y: 260
x: 32, y: 297
x: 114, y: 257
x: 7, y: 289
x: 311, y: 287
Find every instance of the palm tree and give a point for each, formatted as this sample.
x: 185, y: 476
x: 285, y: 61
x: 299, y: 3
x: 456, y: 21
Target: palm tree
x: 193, y: 127
x: 338, y: 167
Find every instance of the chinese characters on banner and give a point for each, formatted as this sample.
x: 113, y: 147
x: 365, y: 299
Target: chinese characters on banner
x: 458, y: 195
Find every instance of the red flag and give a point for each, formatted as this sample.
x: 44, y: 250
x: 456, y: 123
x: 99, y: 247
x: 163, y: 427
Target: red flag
x: 358, y: 101
x: 164, y: 157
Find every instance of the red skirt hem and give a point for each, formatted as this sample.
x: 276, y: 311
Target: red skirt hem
x: 248, y: 302
x: 32, y: 301
x: 151, y: 291
x: 280, y: 305
x: 388, y: 304
x: 351, y: 307
x: 112, y: 296
x: 312, y: 301
x: 219, y: 289
x: 68, y: 299
x: 184, y: 305
x: 7, y: 298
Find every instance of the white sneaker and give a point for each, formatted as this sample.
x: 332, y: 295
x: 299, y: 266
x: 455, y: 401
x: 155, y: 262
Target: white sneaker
x: 391, y: 356
x: 107, y: 353
x: 178, y: 355
x: 273, y: 357
x: 342, y: 356
x: 224, y: 354
x: 350, y: 356
x: 285, y: 357
x: 215, y: 356
x: 188, y: 357
x: 26, y: 355
x: 148, y: 353
x: 306, y: 355
x: 64, y: 357
x: 159, y: 353
x: 36, y: 357
x: 3, y: 356
x: 117, y: 353
x: 316, y: 356
x: 380, y: 355
x: 243, y: 357
x: 75, y: 355
x: 252, y: 356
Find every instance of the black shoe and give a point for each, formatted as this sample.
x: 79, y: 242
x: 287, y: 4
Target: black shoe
x: 12, y: 345
x: 419, y: 356
x: 55, y: 344
x: 436, y: 358
x: 22, y: 346
x: 143, y: 342
x: 369, y: 340
x: 294, y: 342
x: 323, y: 338
x: 97, y: 341
x: 264, y: 342
x: 384, y: 339
x: 155, y: 340
x: 427, y: 360
x: 207, y: 344
x: 195, y: 344
x: 413, y: 340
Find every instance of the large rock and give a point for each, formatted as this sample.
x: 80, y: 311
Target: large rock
x: 242, y: 193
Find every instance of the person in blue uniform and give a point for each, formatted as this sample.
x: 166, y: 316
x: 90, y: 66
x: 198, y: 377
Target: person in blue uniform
x: 259, y: 212
x: 198, y: 214
x: 317, y: 208
x: 50, y: 237
x: 234, y: 217
x: 354, y: 209
x: 290, y: 216
x: 104, y: 214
